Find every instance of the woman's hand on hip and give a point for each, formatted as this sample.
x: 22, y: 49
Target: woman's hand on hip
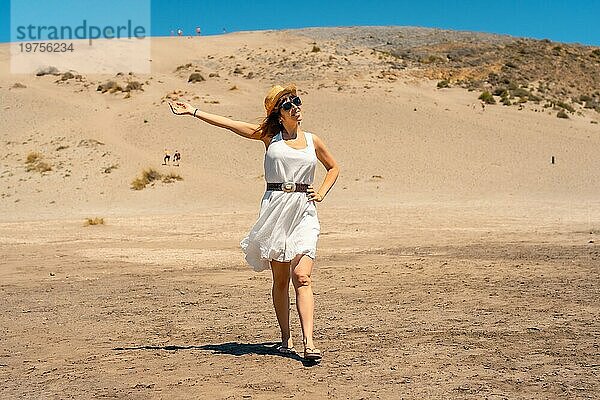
x: 181, y: 108
x: 313, y: 195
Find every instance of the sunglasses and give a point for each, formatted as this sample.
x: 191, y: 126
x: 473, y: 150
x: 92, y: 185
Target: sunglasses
x: 287, y: 105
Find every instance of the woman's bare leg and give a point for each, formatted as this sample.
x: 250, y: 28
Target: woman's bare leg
x: 302, y: 266
x: 281, y: 299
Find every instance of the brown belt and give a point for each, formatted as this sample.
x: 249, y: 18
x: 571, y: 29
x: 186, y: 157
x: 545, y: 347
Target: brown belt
x: 288, y: 187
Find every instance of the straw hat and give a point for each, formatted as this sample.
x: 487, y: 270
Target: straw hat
x: 276, y: 93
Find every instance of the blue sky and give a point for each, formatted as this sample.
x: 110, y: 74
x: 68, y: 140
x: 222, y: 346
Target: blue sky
x: 558, y: 20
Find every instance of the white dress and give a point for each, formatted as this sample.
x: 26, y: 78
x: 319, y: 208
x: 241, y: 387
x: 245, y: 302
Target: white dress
x: 287, y: 223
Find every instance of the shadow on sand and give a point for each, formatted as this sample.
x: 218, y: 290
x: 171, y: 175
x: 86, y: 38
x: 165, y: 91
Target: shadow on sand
x: 231, y: 348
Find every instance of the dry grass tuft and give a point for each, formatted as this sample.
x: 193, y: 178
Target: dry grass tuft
x: 108, y: 170
x: 33, y: 157
x: 487, y: 98
x: 150, y: 175
x: 171, y: 177
x: 34, y: 163
x: 93, y: 221
x: 196, y: 77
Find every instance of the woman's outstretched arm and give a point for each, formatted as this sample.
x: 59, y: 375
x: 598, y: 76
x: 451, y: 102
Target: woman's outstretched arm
x: 242, y: 128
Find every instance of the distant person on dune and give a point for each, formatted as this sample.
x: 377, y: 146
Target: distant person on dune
x: 284, y: 238
x: 176, y: 158
x: 167, y: 157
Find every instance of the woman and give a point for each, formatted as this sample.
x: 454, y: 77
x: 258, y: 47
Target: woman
x: 285, y: 236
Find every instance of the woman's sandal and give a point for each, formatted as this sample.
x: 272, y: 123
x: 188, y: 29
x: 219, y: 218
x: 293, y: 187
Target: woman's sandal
x: 312, y: 354
x: 286, y: 350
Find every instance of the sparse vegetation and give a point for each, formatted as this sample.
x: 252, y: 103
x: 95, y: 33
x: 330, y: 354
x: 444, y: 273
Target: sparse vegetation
x: 315, y: 49
x: 562, y: 114
x: 566, y: 106
x: 93, y: 221
x: 443, y: 84
x: 110, y: 86
x: 33, y: 157
x: 171, y: 177
x: 113, y: 87
x: 151, y: 175
x: 196, y: 77
x: 133, y: 85
x: 182, y: 67
x: 35, y: 163
x: 50, y: 70
x: 108, y: 170
x: 500, y: 91
x: 66, y: 76
x: 487, y: 98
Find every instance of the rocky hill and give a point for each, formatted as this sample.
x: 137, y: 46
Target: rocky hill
x: 513, y: 70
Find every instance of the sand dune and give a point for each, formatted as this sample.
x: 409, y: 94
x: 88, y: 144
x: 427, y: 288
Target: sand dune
x: 422, y: 142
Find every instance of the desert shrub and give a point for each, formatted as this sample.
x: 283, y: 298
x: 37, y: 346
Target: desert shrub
x: 431, y: 59
x: 315, y: 49
x: 596, y: 52
x: 40, y: 166
x: 133, y: 85
x: 196, y: 77
x: 171, y: 177
x: 506, y: 101
x: 35, y: 163
x: 93, y: 221
x: 110, y: 86
x: 566, y: 106
x: 66, y: 76
x: 502, y: 92
x: 525, y: 94
x: 150, y: 175
x: 138, y: 184
x: 533, y: 97
x: 47, y: 71
x: 108, y: 170
x: 562, y: 114
x: 584, y: 97
x: 33, y: 157
x: 443, y: 84
x: 520, y: 92
x: 487, y: 98
x: 181, y: 67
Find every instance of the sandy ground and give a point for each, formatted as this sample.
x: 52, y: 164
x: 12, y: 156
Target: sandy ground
x: 455, y: 260
x: 461, y: 302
